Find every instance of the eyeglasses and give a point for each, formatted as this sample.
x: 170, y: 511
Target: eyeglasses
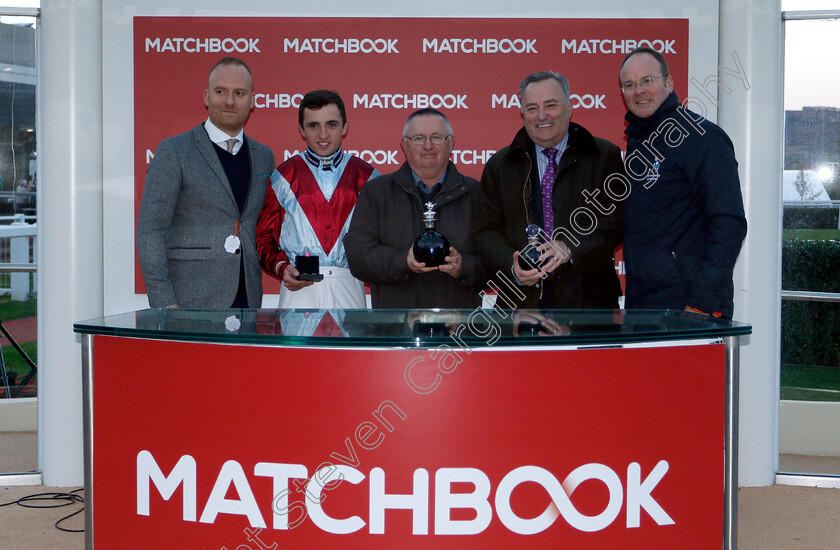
x: 419, y: 140
x: 630, y: 87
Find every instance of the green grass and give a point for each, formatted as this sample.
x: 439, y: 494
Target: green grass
x: 10, y: 309
x: 799, y: 383
x: 812, y: 234
x: 16, y: 363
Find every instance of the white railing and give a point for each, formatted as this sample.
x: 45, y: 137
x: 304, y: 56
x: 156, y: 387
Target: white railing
x: 18, y: 247
x: 28, y: 218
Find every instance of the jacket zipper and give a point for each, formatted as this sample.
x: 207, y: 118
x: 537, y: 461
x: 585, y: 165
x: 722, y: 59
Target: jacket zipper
x: 527, y: 216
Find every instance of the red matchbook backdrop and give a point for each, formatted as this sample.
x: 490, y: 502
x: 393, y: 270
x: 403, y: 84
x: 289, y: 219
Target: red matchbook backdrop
x: 385, y: 68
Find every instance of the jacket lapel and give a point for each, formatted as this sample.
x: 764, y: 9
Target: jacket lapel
x: 205, y: 147
x: 256, y: 187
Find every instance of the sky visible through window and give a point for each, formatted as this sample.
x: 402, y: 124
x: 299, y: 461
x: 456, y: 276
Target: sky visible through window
x: 811, y: 55
x: 812, y: 80
x: 812, y: 52
x: 14, y: 20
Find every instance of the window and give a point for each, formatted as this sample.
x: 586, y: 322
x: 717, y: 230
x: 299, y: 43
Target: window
x: 810, y: 343
x: 18, y: 205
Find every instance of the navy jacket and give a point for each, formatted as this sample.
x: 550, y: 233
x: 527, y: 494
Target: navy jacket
x: 684, y: 217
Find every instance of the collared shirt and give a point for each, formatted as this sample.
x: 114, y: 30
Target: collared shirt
x: 220, y: 138
x: 331, y: 162
x: 427, y: 193
x: 542, y: 160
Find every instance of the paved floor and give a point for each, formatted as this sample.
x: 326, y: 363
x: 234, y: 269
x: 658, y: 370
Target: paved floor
x: 34, y: 528
x: 18, y: 452
x: 788, y: 518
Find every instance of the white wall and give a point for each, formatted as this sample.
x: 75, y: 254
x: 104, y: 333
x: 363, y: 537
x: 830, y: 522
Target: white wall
x: 70, y: 224
x: 753, y: 118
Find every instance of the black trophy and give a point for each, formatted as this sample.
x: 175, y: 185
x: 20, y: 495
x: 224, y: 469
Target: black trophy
x: 529, y: 258
x: 529, y: 328
x: 429, y: 330
x: 430, y: 247
x: 308, y: 268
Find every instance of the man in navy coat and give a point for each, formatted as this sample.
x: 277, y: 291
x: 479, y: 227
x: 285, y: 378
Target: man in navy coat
x: 684, y: 215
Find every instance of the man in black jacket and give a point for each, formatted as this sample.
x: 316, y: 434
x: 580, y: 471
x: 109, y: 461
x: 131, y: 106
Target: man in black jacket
x: 684, y: 215
x: 389, y: 217
x: 558, y: 176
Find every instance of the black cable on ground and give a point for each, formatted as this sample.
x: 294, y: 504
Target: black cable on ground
x: 63, y: 499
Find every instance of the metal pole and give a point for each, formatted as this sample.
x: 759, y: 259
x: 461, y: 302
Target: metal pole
x: 730, y: 468
x: 87, y: 419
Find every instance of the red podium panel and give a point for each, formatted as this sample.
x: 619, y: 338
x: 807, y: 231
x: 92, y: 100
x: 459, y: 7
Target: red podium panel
x: 243, y: 447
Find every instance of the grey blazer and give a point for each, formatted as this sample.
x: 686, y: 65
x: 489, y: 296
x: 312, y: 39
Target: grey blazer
x: 187, y: 212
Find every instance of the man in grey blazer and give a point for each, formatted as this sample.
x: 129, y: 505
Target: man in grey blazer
x: 202, y: 197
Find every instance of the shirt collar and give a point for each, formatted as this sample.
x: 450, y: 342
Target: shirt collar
x: 324, y: 163
x: 219, y: 137
x: 418, y: 182
x: 560, y: 147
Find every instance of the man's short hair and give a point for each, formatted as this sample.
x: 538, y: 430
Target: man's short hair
x: 547, y: 75
x: 318, y: 99
x: 428, y: 111
x: 663, y: 65
x: 231, y: 61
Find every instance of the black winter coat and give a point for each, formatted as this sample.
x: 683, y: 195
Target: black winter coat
x: 504, y: 208
x: 684, y: 218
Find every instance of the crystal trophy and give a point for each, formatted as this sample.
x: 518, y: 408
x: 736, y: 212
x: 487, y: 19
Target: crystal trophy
x: 430, y: 247
x: 529, y: 258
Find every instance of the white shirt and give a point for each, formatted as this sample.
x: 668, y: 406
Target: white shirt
x: 220, y: 138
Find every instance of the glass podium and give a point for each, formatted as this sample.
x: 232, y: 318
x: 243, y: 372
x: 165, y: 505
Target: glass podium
x: 411, y: 428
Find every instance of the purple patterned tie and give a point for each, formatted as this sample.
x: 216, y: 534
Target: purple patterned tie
x: 547, y: 185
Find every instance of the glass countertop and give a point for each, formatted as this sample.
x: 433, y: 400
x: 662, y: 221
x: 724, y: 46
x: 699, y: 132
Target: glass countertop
x: 413, y: 328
